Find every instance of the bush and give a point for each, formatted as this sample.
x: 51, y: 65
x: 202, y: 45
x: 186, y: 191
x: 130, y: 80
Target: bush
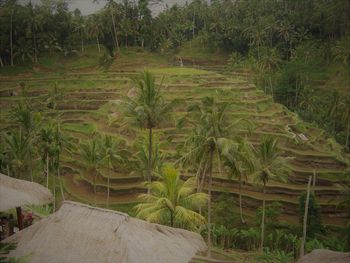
x: 106, y: 61
x: 277, y: 256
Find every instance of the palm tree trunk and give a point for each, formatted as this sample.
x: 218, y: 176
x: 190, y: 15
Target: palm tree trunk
x: 305, y: 218
x: 30, y: 167
x: 240, y: 202
x: 193, y: 23
x: 47, y: 175
x: 149, y: 179
x: 54, y: 193
x: 82, y: 44
x: 263, y: 220
x: 35, y: 49
x: 95, y: 188
x: 11, y: 39
x: 347, y: 135
x: 98, y: 44
x: 171, y: 219
x: 47, y: 170
x: 112, y: 34
x: 271, y: 88
x: 115, y: 32
x: 1, y: 62
x: 209, y: 202
x: 109, y: 174
x: 61, y: 185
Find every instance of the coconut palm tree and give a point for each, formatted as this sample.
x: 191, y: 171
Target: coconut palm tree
x: 113, y: 8
x: 92, y: 155
x: 29, y: 123
x: 54, y: 97
x: 208, y: 138
x: 111, y: 154
x: 333, y: 110
x: 270, y: 165
x: 46, y: 147
x: 240, y: 164
x: 95, y: 29
x: 61, y: 142
x: 147, y: 110
x: 79, y: 26
x: 17, y: 149
x: 172, y: 201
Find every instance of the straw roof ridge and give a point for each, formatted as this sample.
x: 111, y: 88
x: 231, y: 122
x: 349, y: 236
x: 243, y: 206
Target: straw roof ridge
x: 15, y: 192
x: 325, y: 256
x: 82, y: 233
x: 104, y: 210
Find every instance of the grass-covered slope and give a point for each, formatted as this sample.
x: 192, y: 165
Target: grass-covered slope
x: 91, y: 101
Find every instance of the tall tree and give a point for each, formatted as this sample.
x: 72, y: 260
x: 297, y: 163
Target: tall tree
x: 95, y: 29
x: 147, y: 110
x: 17, y: 149
x: 270, y: 165
x: 91, y: 154
x: 208, y: 137
x: 240, y: 164
x: 111, y: 154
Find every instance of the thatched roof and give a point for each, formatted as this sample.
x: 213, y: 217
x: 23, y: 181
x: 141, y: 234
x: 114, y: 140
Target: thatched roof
x: 81, y: 233
x: 325, y: 256
x: 15, y: 192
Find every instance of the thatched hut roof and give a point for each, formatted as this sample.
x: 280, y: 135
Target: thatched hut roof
x: 325, y: 256
x: 81, y: 233
x: 15, y: 192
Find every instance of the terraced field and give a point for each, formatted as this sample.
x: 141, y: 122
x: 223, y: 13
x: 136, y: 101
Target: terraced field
x: 91, y: 101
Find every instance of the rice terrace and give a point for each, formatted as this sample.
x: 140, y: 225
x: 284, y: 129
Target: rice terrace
x: 200, y: 131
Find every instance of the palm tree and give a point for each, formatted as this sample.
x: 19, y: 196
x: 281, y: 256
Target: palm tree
x: 334, y: 106
x: 17, y: 149
x: 95, y: 29
x: 269, y: 61
x: 111, y: 154
x: 46, y: 147
x: 35, y: 22
x: 29, y: 123
x: 79, y: 26
x: 172, y: 200
x: 239, y: 161
x: 346, y: 119
x: 270, y: 165
x: 54, y: 97
x: 91, y: 154
x: 61, y: 143
x: 147, y: 110
x: 112, y: 7
x: 208, y: 137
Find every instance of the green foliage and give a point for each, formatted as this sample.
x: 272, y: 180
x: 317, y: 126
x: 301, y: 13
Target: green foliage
x: 235, y: 60
x: 314, y: 223
x: 313, y: 244
x: 224, y: 212
x: 172, y: 201
x: 272, y: 213
x: 276, y: 256
x: 141, y: 157
x: 106, y: 60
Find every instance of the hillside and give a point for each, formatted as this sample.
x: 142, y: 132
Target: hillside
x: 92, y: 98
